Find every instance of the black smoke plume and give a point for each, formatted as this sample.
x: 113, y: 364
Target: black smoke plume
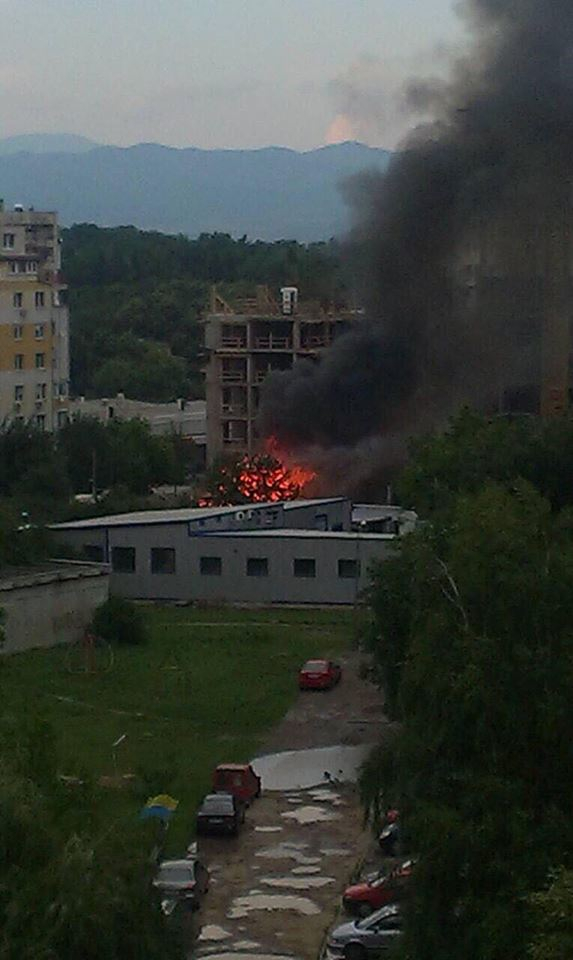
x: 490, y: 172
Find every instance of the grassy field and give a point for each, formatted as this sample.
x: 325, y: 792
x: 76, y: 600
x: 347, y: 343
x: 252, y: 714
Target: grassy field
x: 208, y: 687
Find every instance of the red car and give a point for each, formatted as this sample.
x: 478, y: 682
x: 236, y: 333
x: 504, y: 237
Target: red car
x: 379, y: 890
x: 239, y: 779
x: 319, y: 675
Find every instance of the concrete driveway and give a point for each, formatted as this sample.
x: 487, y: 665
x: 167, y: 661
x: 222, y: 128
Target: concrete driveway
x: 275, y: 889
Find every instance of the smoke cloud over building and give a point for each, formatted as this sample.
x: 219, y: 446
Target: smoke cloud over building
x: 482, y: 189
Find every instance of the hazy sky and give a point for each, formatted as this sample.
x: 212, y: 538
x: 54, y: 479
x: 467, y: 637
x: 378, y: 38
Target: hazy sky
x: 217, y: 73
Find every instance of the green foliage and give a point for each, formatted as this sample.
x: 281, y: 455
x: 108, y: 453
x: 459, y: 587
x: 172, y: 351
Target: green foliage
x: 68, y: 888
x: 473, y: 636
x: 475, y: 449
x: 120, y: 622
x: 552, y: 924
x: 136, y: 299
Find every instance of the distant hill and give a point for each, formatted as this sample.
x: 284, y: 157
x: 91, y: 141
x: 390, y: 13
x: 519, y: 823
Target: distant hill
x: 267, y: 194
x: 46, y: 143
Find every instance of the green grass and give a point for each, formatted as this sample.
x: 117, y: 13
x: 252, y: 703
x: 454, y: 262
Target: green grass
x: 208, y: 687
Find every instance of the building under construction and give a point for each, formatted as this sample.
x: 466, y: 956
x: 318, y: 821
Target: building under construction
x: 245, y: 341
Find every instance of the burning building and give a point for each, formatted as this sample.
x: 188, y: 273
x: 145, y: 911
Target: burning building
x: 247, y: 340
x: 464, y: 248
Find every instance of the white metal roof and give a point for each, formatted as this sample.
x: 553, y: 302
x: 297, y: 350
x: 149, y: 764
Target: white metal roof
x: 294, y: 533
x: 182, y: 515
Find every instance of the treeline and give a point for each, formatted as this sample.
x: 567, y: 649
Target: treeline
x: 39, y: 474
x: 136, y: 299
x: 472, y: 640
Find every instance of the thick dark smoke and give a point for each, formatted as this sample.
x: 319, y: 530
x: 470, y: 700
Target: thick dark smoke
x: 492, y: 172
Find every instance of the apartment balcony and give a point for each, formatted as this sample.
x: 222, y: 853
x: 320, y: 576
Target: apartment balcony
x: 233, y: 343
x: 273, y: 343
x: 234, y: 376
x: 315, y: 343
x: 234, y: 410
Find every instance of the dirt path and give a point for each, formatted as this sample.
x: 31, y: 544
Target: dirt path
x: 275, y: 889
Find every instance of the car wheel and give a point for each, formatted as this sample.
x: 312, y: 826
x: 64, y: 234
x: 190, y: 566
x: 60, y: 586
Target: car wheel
x: 364, y: 910
x: 355, y: 951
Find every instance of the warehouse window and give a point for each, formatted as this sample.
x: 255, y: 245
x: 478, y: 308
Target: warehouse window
x: 257, y: 567
x: 93, y: 552
x: 211, y: 566
x: 162, y: 560
x: 349, y: 569
x: 123, y: 559
x: 304, y: 567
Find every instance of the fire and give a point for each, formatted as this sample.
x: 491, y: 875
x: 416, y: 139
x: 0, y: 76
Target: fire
x: 263, y: 477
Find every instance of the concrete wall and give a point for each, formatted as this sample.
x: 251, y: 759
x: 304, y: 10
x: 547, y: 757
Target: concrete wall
x: 51, y: 607
x: 233, y: 584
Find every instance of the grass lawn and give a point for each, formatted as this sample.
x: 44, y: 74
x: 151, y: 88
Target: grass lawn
x: 208, y: 687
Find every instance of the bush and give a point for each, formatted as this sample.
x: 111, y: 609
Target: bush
x: 119, y: 621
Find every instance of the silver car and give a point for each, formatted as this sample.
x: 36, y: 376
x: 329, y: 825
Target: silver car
x: 361, y: 939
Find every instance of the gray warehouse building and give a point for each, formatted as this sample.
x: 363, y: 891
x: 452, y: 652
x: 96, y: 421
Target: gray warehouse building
x: 303, y: 551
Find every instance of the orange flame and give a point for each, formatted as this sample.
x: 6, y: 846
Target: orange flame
x: 264, y: 477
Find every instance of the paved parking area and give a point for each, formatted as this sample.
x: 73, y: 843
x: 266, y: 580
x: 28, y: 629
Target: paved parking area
x: 275, y: 889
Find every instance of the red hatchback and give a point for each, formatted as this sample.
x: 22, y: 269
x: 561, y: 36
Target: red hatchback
x: 379, y: 890
x: 319, y: 675
x: 239, y: 779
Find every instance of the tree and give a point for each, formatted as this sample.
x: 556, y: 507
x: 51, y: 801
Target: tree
x: 478, y: 648
x: 552, y: 925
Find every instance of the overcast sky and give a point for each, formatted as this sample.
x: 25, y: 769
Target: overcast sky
x: 217, y: 73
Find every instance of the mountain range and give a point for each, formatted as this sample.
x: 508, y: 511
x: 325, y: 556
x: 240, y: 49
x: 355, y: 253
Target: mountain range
x: 268, y: 194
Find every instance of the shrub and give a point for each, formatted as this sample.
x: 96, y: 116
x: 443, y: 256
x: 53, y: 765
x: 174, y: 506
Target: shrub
x: 119, y: 621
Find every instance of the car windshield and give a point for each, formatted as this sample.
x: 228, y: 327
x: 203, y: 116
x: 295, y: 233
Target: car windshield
x: 387, y: 916
x: 316, y: 666
x: 217, y: 804
x: 175, y: 873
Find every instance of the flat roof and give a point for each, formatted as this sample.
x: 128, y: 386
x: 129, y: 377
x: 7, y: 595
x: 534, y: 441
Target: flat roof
x: 281, y: 532
x: 184, y: 514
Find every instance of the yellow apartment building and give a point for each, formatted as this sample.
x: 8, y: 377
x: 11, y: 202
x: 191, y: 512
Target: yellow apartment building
x: 34, y: 326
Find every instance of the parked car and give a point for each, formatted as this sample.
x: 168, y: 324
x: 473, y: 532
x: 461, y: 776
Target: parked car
x: 319, y: 675
x: 389, y: 837
x: 378, y: 890
x: 220, y: 813
x: 365, y: 938
x: 181, y: 881
x: 239, y: 779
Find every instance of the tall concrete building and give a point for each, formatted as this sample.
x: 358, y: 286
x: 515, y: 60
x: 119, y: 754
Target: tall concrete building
x: 34, y: 330
x: 245, y: 342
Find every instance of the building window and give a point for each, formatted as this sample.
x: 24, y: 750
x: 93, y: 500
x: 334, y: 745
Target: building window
x: 8, y: 241
x: 18, y: 393
x: 40, y: 421
x: 13, y: 266
x: 39, y: 331
x: 39, y: 298
x: 18, y: 299
x: 123, y: 559
x: 40, y: 361
x: 31, y: 266
x: 162, y: 560
x: 41, y: 389
x: 54, y: 328
x: 18, y: 361
x: 17, y: 331
x: 304, y: 567
x: 210, y: 566
x: 348, y: 569
x: 62, y: 418
x: 257, y: 567
x: 93, y: 552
